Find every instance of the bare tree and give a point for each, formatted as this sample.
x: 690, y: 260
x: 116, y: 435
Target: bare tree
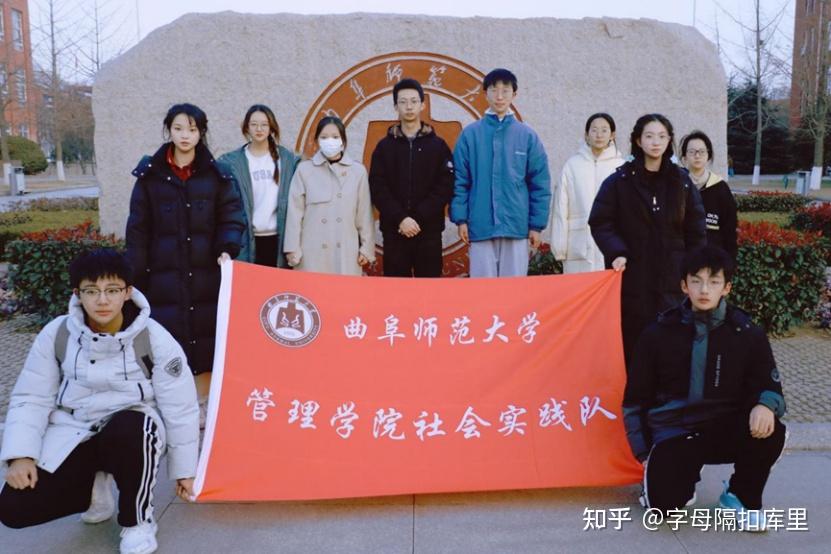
x: 57, y: 44
x: 764, y: 63
x: 106, y: 38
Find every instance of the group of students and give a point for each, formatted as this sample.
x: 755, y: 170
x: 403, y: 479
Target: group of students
x: 106, y: 389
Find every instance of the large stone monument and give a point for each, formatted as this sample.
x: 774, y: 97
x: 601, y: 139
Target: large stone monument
x: 306, y: 66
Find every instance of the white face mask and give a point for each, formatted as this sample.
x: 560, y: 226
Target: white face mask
x: 330, y: 147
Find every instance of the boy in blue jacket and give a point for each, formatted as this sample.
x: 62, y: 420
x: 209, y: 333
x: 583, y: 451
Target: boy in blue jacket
x: 704, y: 389
x: 503, y: 187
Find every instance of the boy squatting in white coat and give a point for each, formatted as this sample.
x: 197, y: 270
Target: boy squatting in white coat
x: 99, y: 410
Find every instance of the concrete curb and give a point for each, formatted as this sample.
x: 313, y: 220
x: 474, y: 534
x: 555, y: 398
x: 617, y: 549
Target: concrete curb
x: 808, y: 436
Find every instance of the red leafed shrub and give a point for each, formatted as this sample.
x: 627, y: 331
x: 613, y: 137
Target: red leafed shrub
x: 39, y: 271
x: 773, y: 235
x: 781, y: 274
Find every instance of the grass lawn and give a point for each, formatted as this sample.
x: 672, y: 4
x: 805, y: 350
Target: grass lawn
x: 12, y: 224
x: 778, y: 218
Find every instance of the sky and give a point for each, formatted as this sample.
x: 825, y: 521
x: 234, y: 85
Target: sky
x: 137, y: 18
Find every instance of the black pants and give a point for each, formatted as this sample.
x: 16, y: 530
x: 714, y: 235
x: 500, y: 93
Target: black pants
x: 674, y: 465
x: 128, y: 447
x: 419, y: 256
x: 265, y: 250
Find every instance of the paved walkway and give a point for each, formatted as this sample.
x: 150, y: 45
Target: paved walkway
x: 522, y: 522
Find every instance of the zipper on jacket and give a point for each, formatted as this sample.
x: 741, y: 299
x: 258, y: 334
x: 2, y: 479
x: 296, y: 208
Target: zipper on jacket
x: 77, y: 353
x: 141, y: 390
x: 63, y: 391
x: 410, y: 189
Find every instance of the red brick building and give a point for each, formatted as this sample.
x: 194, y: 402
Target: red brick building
x: 812, y: 22
x: 16, y: 75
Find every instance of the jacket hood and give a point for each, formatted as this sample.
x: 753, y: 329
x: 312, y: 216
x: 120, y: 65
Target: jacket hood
x: 610, y: 153
x: 395, y: 131
x: 202, y: 161
x: 713, y: 179
x: 78, y: 325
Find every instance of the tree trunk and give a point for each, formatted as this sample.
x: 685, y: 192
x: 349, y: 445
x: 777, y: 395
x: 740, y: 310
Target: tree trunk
x: 757, y: 159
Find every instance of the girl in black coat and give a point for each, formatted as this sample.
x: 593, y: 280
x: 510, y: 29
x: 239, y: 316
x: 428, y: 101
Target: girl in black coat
x: 645, y: 217
x: 719, y: 204
x: 185, y: 218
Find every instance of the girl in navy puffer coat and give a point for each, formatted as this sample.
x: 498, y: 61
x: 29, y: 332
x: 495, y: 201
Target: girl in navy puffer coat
x: 185, y: 218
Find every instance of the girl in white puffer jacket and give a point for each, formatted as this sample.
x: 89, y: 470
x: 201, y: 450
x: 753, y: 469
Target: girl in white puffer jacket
x: 583, y: 173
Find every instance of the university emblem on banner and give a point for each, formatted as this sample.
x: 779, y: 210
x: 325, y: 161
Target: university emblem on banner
x: 290, y: 320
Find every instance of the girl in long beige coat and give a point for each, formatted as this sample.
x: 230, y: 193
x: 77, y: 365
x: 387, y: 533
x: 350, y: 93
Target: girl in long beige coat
x: 329, y: 225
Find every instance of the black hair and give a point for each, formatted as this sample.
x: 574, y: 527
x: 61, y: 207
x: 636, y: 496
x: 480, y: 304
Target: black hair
x: 670, y: 174
x: 273, y: 134
x: 334, y: 121
x: 609, y: 119
x: 404, y: 84
x: 637, y: 131
x: 500, y: 75
x: 194, y: 114
x: 97, y: 264
x: 708, y: 144
x: 708, y: 257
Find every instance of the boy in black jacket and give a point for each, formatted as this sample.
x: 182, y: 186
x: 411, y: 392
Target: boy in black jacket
x: 411, y: 181
x: 704, y: 389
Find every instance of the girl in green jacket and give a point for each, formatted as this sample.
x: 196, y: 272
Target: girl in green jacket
x: 263, y: 170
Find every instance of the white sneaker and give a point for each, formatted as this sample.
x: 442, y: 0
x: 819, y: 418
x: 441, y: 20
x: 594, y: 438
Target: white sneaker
x: 140, y: 539
x: 102, y: 503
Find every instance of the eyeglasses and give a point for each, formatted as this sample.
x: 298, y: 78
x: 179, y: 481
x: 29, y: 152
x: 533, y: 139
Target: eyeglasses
x: 110, y: 293
x: 258, y: 126
x: 504, y: 92
x: 694, y: 153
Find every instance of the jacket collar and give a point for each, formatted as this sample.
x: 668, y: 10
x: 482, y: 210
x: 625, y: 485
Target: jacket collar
x: 491, y: 117
x: 713, y: 179
x: 157, y: 163
x: 395, y: 131
x: 77, y: 325
x: 735, y: 317
x: 320, y: 159
x: 610, y: 153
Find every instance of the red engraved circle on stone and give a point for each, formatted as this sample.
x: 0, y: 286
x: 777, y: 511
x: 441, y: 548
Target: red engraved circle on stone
x: 372, y: 80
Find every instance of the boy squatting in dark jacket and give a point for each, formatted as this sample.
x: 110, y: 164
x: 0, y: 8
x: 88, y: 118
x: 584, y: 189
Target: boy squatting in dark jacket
x: 703, y: 388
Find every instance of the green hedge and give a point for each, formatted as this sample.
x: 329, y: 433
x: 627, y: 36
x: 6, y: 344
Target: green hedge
x: 781, y: 274
x: 29, y: 154
x: 39, y: 270
x: 770, y: 201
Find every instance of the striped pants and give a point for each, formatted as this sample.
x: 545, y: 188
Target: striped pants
x: 128, y: 446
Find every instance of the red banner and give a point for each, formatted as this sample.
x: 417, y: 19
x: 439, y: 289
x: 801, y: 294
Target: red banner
x: 328, y: 387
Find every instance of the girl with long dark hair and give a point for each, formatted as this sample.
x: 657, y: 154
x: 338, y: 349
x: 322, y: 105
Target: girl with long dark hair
x: 263, y: 169
x: 185, y: 219
x: 646, y: 216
